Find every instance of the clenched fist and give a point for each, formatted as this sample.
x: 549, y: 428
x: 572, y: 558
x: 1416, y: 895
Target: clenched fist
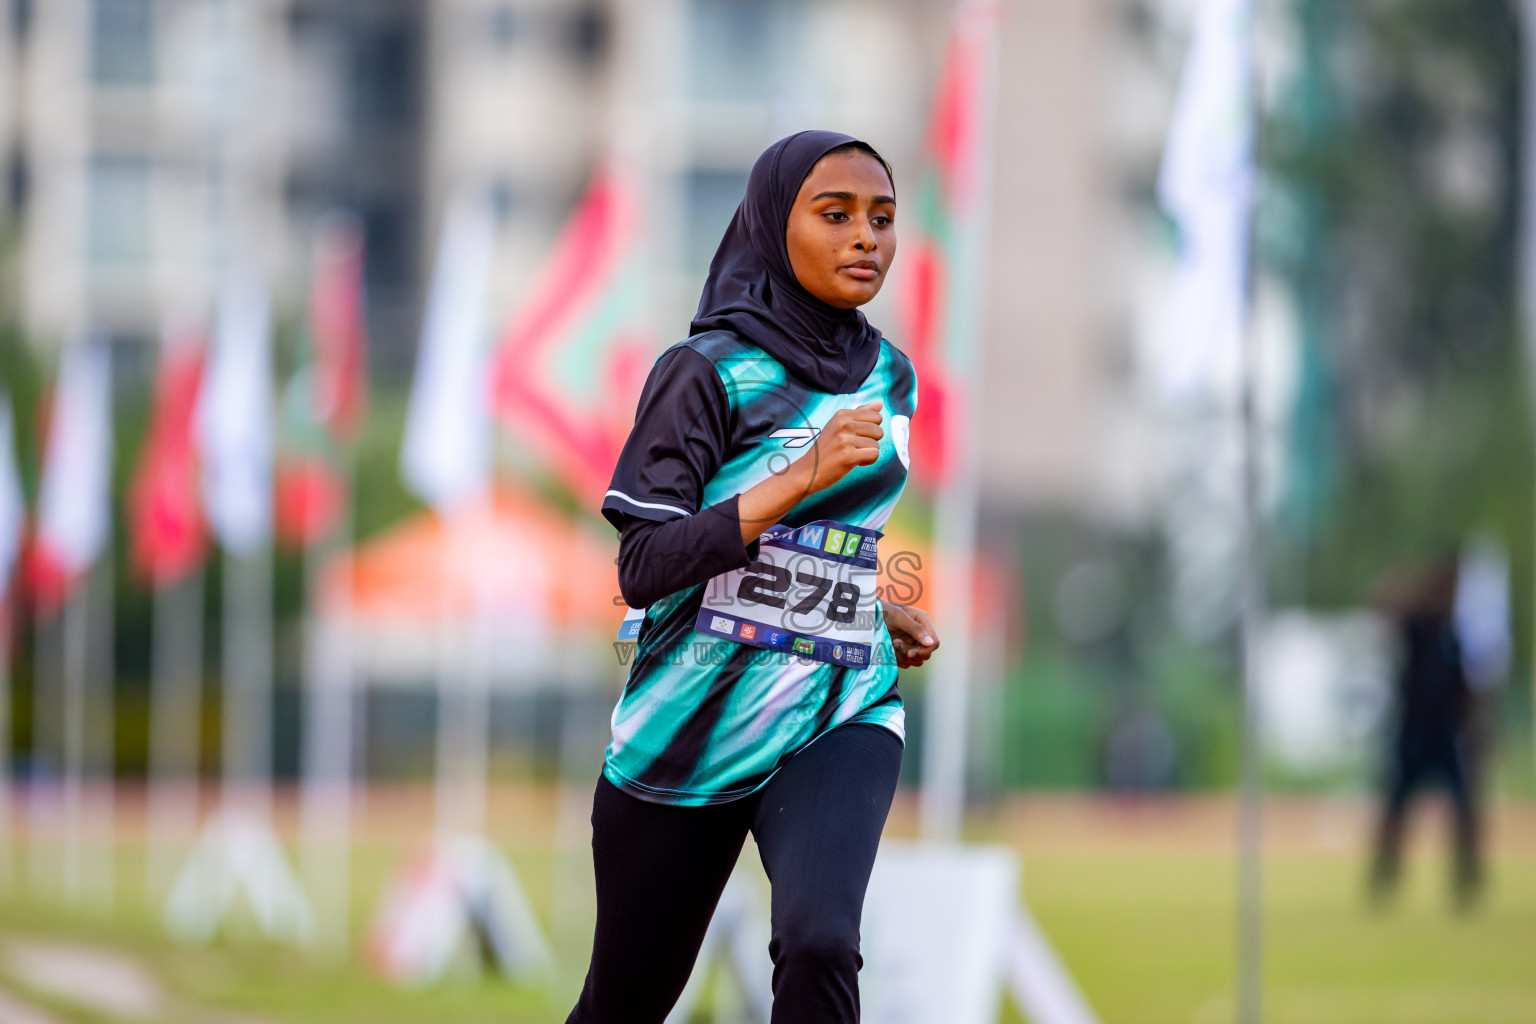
x: 850, y: 438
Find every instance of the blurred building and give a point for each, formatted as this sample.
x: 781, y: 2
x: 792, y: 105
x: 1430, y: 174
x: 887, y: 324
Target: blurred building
x: 149, y: 146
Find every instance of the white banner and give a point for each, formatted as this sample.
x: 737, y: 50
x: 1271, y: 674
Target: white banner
x: 74, y: 502
x: 234, y: 421
x: 446, y: 454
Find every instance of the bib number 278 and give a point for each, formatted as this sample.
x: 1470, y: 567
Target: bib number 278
x: 770, y: 585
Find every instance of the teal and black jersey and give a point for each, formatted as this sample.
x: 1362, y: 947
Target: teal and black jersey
x: 704, y: 720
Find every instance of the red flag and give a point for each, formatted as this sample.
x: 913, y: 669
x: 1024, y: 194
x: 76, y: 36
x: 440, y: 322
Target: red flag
x: 935, y: 307
x: 336, y: 327
x: 324, y: 401
x: 74, y: 510
x: 569, y: 367
x: 164, y: 507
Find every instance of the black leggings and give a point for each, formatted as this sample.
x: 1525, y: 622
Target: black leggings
x: 660, y: 871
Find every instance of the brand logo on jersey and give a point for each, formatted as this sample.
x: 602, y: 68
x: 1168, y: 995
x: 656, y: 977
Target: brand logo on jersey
x: 811, y: 536
x: 901, y: 436
x: 721, y: 624
x: 748, y: 631
x: 804, y: 646
x: 834, y: 541
x: 796, y: 437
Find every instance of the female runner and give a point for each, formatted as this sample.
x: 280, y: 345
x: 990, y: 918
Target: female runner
x: 767, y: 453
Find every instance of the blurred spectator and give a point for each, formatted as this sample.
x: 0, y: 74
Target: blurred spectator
x: 1139, y: 752
x: 1430, y: 737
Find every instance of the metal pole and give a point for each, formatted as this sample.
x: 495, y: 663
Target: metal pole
x: 942, y: 807
x: 329, y: 793
x: 100, y: 750
x: 1527, y: 285
x: 247, y: 671
x: 1250, y: 867
x: 174, y: 721
x: 7, y: 803
x: 1250, y: 879
x: 75, y: 637
x: 43, y: 784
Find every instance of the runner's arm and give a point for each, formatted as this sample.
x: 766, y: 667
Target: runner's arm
x: 667, y: 542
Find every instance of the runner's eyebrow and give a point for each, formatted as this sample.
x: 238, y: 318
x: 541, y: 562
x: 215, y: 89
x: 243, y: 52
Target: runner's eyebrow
x: 849, y: 197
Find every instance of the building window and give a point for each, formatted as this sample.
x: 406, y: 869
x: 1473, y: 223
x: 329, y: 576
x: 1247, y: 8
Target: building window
x: 712, y: 198
x: 18, y: 183
x: 503, y: 201
x: 21, y: 20
x: 586, y: 35
x: 742, y: 49
x: 119, y: 208
x: 384, y: 78
x: 503, y: 26
x: 123, y: 42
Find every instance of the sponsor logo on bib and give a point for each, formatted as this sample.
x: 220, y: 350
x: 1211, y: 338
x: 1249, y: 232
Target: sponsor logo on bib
x: 721, y: 624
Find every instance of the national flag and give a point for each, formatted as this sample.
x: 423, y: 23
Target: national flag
x: 234, y: 420
x: 1206, y: 186
x: 74, y: 501
x: 941, y: 250
x: 165, y: 518
x: 446, y: 454
x: 569, y: 367
x: 323, y: 402
x: 13, y: 506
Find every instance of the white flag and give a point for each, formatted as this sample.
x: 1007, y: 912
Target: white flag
x: 446, y: 455
x: 13, y: 508
x: 234, y: 421
x: 1206, y: 186
x: 73, y: 508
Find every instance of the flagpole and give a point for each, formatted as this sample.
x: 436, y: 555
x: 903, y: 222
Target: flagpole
x: 13, y: 517
x: 100, y: 689
x: 75, y: 640
x: 47, y: 704
x: 246, y: 661
x: 463, y: 722
x: 1255, y: 588
x: 1527, y: 265
x: 326, y: 812
x: 1251, y: 814
x: 175, y: 720
x: 942, y: 808
x: 6, y: 802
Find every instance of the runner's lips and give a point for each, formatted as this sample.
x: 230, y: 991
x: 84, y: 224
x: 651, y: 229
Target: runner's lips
x: 864, y: 270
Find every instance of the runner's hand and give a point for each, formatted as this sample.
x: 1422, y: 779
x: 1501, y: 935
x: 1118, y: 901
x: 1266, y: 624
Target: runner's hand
x: 912, y: 634
x: 851, y: 438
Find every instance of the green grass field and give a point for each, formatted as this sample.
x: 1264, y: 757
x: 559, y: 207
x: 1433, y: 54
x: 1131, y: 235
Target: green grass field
x: 1137, y: 899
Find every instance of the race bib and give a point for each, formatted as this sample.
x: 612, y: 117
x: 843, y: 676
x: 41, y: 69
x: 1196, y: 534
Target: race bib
x: 634, y: 618
x: 811, y: 592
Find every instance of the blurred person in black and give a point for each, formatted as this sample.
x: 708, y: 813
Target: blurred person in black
x: 1430, y: 738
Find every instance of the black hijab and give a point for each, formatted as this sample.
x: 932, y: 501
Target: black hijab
x: 752, y: 288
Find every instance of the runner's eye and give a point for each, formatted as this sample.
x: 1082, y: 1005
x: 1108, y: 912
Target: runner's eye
x: 837, y: 216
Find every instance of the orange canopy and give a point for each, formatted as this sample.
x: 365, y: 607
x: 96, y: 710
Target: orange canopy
x: 518, y: 550
x: 513, y: 549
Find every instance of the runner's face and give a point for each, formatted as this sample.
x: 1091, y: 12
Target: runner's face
x: 841, y: 233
